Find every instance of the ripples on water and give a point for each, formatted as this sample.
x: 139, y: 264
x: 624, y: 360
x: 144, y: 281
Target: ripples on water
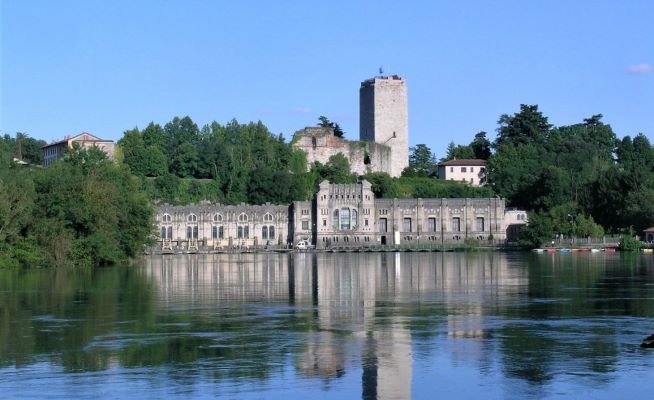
x: 385, y: 326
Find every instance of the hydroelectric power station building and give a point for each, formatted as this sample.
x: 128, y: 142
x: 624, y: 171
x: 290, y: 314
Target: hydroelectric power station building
x: 339, y: 215
x: 345, y: 215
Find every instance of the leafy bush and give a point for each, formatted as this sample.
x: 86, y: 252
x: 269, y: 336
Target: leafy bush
x: 630, y: 243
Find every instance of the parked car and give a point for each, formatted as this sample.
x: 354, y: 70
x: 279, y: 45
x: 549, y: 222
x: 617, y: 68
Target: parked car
x: 303, y: 245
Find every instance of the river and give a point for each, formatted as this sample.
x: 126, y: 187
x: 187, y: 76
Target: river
x: 332, y: 326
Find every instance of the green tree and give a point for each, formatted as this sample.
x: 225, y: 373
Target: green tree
x: 382, y: 184
x: 528, y: 126
x: 538, y: 231
x: 422, y: 162
x: 459, y: 152
x: 326, y: 123
x: 481, y: 147
x: 337, y: 170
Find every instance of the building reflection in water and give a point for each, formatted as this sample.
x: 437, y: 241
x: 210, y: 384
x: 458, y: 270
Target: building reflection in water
x: 355, y: 303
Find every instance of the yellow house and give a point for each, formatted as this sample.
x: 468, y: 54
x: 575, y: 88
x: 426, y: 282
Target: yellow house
x: 56, y: 150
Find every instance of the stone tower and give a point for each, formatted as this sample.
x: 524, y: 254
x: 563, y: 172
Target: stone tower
x: 384, y: 117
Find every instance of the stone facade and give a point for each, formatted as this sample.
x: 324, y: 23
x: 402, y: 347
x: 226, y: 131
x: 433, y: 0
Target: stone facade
x: 384, y: 131
x: 216, y: 226
x: 340, y: 215
x: 384, y: 117
x: 320, y: 144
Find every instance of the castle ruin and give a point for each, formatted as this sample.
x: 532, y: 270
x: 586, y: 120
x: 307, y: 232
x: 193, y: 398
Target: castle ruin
x: 383, y: 131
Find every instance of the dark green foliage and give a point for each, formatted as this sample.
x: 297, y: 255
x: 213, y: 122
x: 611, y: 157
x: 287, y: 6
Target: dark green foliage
x: 422, y: 162
x: 84, y: 210
x: 630, y: 242
x: 459, y: 152
x: 529, y: 126
x: 381, y: 183
x: 326, y: 123
x: 337, y: 170
x: 224, y: 160
x: 481, y: 147
x: 543, y: 168
x: 539, y: 231
x: 434, y: 188
x: 30, y: 149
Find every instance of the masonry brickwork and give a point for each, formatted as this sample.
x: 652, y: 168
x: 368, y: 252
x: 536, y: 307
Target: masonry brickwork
x: 339, y: 215
x: 384, y: 131
x: 384, y: 117
x: 320, y: 144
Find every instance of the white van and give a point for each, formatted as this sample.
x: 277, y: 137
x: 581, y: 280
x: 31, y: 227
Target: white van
x: 303, y: 245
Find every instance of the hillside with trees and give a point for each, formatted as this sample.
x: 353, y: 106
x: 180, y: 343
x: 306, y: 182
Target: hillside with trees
x: 84, y: 210
x: 576, y: 180
x: 180, y: 163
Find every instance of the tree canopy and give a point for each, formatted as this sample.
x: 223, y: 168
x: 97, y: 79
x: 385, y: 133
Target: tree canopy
x: 326, y: 123
x: 83, y: 210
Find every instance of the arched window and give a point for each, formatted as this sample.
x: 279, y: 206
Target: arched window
x: 345, y: 218
x: 355, y: 220
x: 271, y: 232
x: 217, y: 232
x: 239, y: 232
x: 217, y: 218
x: 267, y: 217
x: 335, y: 222
x: 192, y: 218
x: 192, y: 232
x: 246, y: 232
x: 264, y: 233
x: 166, y: 218
x: 242, y: 217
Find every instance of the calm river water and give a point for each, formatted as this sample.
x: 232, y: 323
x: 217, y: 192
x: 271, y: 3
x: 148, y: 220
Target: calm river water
x: 332, y: 326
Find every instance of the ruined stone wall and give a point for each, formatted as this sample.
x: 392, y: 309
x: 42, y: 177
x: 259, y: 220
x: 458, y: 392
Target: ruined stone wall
x: 319, y: 144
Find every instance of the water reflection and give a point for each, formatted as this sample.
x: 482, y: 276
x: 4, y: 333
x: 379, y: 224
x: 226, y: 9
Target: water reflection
x: 382, y: 325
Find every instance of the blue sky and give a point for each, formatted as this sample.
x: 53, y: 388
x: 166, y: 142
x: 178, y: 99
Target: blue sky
x: 108, y: 66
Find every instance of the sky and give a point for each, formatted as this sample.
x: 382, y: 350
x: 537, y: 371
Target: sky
x: 108, y: 66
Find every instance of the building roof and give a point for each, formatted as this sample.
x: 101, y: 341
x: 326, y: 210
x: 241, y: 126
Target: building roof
x: 464, y: 163
x: 89, y: 138
x: 649, y: 229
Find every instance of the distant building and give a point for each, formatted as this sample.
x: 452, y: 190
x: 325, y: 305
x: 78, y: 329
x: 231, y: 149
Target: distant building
x: 56, y: 150
x: 649, y: 234
x: 471, y: 171
x: 383, y: 131
x: 339, y: 215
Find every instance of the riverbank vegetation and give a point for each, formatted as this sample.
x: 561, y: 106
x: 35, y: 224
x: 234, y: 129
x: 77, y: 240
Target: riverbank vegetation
x: 576, y: 180
x: 82, y: 211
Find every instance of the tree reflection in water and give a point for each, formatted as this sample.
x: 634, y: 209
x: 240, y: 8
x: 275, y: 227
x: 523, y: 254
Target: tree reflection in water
x: 383, y: 322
